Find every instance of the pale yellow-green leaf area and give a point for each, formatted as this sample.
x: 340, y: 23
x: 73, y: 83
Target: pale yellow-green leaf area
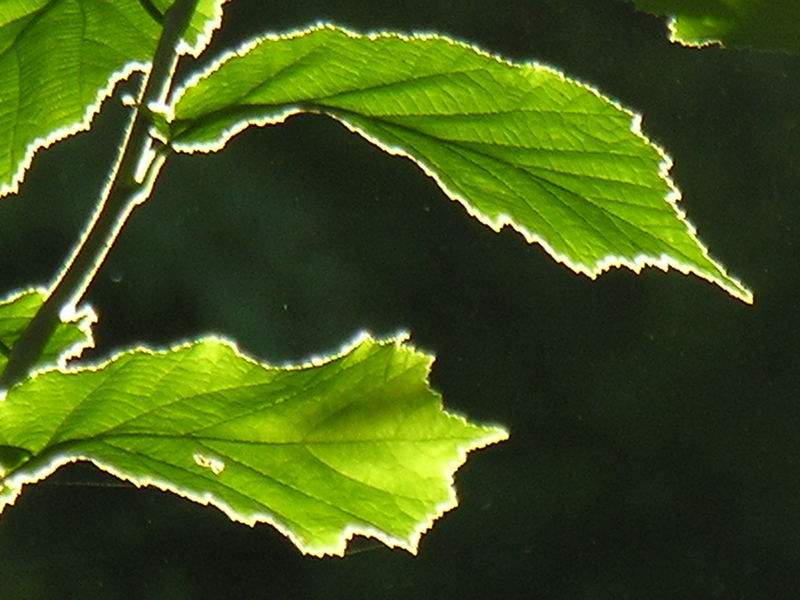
x: 355, y: 444
x: 517, y: 144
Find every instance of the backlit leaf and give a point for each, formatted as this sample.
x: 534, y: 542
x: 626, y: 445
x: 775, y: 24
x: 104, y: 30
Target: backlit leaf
x: 756, y: 24
x: 516, y: 144
x: 59, y: 59
x: 68, y: 340
x: 357, y: 444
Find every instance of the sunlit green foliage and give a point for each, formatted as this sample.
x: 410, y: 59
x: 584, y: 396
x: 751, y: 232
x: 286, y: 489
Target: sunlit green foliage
x: 59, y: 59
x: 755, y: 24
x: 518, y: 145
x: 355, y: 442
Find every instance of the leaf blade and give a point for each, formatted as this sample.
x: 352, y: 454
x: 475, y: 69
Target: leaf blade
x: 773, y: 25
x: 355, y: 445
x: 70, y: 338
x: 60, y: 59
x: 517, y: 145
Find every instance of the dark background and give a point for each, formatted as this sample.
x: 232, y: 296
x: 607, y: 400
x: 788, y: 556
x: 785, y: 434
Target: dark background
x: 654, y: 449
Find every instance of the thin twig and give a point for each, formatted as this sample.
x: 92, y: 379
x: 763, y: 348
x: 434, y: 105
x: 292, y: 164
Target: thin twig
x: 135, y: 173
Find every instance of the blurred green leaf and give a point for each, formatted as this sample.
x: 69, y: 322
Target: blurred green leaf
x: 755, y: 24
x: 516, y: 144
x: 354, y: 444
x: 59, y: 59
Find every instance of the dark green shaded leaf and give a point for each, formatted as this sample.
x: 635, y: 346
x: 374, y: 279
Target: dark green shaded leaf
x: 755, y: 24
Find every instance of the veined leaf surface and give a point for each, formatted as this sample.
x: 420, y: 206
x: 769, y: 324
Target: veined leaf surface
x: 756, y: 24
x: 59, y: 59
x: 516, y: 144
x: 69, y: 339
x: 358, y: 444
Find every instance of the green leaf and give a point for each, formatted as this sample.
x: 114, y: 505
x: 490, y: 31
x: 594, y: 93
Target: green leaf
x: 357, y: 444
x: 59, y: 59
x: 757, y: 24
x: 71, y: 337
x: 516, y: 144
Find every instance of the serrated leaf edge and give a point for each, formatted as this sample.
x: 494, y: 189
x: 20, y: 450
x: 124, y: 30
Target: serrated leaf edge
x: 730, y: 284
x: 204, y: 37
x: 675, y: 38
x: 13, y: 483
x: 41, y: 143
x: 84, y: 317
x: 57, y: 135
